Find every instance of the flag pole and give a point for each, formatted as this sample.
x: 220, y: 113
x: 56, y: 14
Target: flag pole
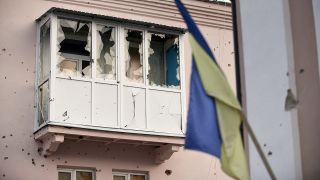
x: 258, y: 147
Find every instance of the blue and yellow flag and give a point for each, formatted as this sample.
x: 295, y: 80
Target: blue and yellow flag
x: 214, y: 115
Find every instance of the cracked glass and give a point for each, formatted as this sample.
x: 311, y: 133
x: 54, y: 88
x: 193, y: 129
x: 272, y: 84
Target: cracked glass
x: 74, y: 48
x: 163, y: 60
x: 133, y: 56
x: 106, y: 52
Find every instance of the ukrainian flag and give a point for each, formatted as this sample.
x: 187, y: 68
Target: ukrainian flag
x: 214, y: 115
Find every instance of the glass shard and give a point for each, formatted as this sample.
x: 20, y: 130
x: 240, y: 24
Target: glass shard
x: 106, y: 52
x: 163, y: 58
x: 74, y: 48
x: 133, y: 56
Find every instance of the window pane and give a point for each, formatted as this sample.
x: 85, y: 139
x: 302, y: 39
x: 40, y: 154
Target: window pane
x: 106, y: 52
x: 163, y: 59
x: 81, y: 175
x: 74, y: 48
x: 117, y: 177
x: 64, y: 176
x: 133, y: 56
x: 44, y: 51
x: 137, y: 177
x: 43, y: 103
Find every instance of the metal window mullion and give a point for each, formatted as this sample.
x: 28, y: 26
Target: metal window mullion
x: 182, y: 83
x: 93, y: 68
x: 145, y: 71
x: 53, y: 47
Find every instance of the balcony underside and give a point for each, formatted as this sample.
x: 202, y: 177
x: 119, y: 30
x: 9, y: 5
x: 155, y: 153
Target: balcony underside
x: 52, y: 136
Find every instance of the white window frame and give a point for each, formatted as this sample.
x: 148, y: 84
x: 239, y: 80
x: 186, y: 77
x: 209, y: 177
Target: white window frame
x: 120, y: 72
x: 128, y: 174
x: 73, y: 172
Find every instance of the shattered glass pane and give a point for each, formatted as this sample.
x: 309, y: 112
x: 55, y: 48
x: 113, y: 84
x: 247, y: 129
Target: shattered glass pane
x: 163, y: 59
x: 106, y: 52
x: 74, y: 48
x: 43, y: 103
x: 81, y: 175
x: 44, y: 51
x: 133, y: 56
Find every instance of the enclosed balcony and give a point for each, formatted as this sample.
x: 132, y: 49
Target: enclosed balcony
x: 108, y: 79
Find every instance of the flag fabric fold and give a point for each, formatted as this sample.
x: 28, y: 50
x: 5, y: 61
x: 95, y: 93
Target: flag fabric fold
x: 214, y: 116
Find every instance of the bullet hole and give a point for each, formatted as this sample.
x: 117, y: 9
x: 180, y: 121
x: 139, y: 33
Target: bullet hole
x: 229, y: 42
x: 22, y: 149
x: 4, y: 49
x: 52, y: 160
x: 3, y: 137
x: 11, y: 135
x: 6, y: 146
x: 45, y: 156
x: 42, y: 165
x: 28, y: 154
x: 3, y: 175
x: 22, y: 62
x: 33, y: 162
x: 5, y: 158
x: 269, y: 153
x: 26, y: 81
x: 27, y: 70
x: 214, y: 174
x: 65, y: 162
x: 301, y: 71
x: 264, y: 145
x: 287, y: 73
x: 229, y: 65
x: 168, y: 172
x: 5, y: 77
x: 40, y: 150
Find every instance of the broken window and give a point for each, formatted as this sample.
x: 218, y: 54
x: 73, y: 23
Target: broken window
x: 133, y: 56
x: 43, y: 102
x: 44, y: 51
x: 106, y: 52
x: 74, y: 48
x: 163, y: 59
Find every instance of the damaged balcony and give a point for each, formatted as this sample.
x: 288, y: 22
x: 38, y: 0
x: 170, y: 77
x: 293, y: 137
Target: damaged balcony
x: 102, y: 79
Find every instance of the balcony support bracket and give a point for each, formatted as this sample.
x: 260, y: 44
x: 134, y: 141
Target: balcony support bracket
x: 164, y: 152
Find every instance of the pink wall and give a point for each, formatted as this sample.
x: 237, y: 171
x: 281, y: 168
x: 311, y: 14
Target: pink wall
x: 18, y: 150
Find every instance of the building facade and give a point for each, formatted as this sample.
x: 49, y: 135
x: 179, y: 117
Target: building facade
x: 99, y: 89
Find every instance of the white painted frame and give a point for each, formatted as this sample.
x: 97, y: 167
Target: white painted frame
x: 120, y: 76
